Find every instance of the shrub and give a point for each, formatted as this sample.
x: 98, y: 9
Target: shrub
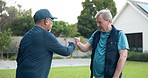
x: 136, y: 56
x: 13, y: 58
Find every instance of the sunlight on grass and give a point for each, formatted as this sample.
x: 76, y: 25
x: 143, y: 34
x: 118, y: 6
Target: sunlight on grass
x: 70, y: 72
x: 135, y: 70
x: 7, y: 73
x: 131, y: 70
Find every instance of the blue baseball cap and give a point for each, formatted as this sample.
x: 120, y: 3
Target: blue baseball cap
x: 42, y: 14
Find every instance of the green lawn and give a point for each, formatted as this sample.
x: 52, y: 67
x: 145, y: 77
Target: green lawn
x: 135, y: 70
x: 131, y: 70
x: 70, y: 72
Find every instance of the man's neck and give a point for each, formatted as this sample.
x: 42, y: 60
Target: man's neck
x: 41, y: 26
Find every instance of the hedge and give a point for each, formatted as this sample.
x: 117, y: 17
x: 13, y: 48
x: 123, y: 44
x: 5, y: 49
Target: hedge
x: 137, y: 56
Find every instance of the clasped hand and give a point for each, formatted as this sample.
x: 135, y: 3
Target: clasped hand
x: 77, y: 40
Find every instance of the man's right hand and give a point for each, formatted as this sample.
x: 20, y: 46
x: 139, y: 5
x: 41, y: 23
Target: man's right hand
x: 77, y: 40
x: 72, y: 44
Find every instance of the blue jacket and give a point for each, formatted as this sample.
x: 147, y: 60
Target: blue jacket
x: 35, y: 53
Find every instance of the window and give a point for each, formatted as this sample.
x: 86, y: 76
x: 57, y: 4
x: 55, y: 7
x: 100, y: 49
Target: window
x: 135, y: 42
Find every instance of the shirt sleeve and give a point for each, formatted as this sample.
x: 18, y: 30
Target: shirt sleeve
x: 53, y: 45
x: 123, y: 42
x: 91, y: 38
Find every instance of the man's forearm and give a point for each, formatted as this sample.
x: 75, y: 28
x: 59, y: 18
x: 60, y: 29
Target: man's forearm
x: 84, y: 47
x: 119, y: 68
x: 120, y: 64
x: 81, y: 47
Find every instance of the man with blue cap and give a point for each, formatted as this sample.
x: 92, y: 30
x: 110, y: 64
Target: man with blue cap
x: 37, y: 47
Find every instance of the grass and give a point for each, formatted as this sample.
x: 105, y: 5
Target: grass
x: 135, y: 70
x: 7, y: 73
x: 70, y: 72
x: 131, y: 70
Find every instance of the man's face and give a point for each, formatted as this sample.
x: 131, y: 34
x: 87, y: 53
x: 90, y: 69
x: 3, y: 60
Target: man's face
x: 102, y: 24
x: 49, y: 24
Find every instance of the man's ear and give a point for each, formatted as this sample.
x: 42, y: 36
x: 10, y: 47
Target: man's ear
x: 110, y: 21
x: 45, y: 22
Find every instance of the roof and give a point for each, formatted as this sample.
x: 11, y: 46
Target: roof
x: 141, y: 7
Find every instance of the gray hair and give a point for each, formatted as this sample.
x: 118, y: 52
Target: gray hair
x: 106, y: 14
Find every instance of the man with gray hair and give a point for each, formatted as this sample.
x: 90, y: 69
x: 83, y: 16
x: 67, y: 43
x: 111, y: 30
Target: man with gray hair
x: 109, y: 48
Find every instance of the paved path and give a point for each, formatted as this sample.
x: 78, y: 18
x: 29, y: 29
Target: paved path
x: 55, y: 63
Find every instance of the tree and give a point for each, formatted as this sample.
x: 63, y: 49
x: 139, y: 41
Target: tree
x: 70, y: 31
x: 11, y: 18
x: 21, y: 20
x: 105, y: 4
x: 16, y: 18
x: 86, y: 21
x: 58, y: 28
x: 5, y: 40
x: 3, y: 15
x: 21, y: 25
x: 64, y: 29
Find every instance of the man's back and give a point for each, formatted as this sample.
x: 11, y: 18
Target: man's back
x: 33, y: 57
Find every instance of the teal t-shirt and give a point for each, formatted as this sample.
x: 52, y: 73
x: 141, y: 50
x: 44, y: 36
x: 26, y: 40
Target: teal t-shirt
x: 99, y: 56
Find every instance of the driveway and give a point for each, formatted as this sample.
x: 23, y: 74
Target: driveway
x: 55, y: 63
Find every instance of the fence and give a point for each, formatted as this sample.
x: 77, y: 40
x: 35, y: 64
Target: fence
x: 13, y: 48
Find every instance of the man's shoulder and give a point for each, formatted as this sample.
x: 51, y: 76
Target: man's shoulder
x: 96, y: 32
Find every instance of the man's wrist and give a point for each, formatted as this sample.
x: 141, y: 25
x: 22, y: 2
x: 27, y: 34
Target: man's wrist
x: 115, y: 76
x: 78, y: 44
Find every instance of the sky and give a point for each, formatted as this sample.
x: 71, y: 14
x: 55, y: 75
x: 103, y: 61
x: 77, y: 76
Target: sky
x: 65, y: 10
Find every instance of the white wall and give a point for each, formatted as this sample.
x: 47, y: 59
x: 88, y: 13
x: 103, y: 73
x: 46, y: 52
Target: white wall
x: 16, y: 41
x: 145, y: 41
x: 131, y: 21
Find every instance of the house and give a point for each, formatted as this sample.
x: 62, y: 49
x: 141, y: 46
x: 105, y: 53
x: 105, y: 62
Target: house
x: 133, y: 20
